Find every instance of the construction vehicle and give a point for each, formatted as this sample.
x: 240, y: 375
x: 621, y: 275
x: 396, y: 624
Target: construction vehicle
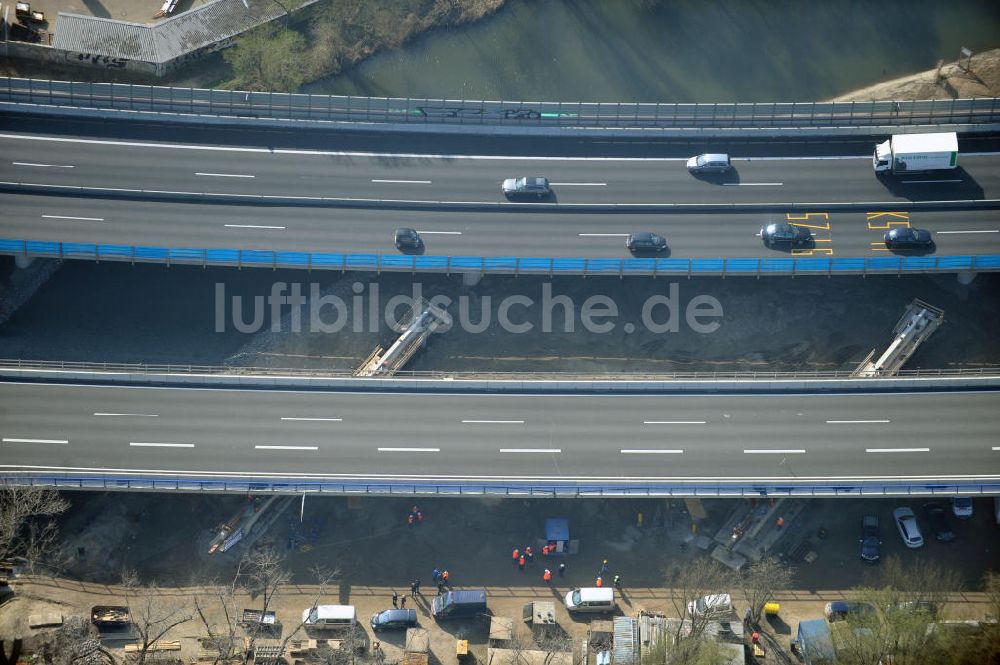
x: 110, y: 617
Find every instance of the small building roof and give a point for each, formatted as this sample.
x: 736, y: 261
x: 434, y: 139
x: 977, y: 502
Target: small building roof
x: 208, y: 24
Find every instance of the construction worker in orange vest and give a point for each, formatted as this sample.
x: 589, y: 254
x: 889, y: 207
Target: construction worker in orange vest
x: 547, y: 575
x: 520, y: 562
x: 515, y: 555
x: 409, y: 520
x: 545, y: 550
x: 444, y: 577
x: 599, y: 582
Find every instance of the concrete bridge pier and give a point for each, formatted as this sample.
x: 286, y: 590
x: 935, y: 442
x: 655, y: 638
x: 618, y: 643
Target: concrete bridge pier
x: 965, y: 278
x: 471, y: 278
x: 22, y: 261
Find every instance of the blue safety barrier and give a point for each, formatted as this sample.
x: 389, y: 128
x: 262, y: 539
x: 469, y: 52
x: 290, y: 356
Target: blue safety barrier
x: 507, y: 265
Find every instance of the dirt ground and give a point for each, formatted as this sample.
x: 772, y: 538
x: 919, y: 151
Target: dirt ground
x: 133, y: 314
x: 981, y: 79
x: 164, y: 536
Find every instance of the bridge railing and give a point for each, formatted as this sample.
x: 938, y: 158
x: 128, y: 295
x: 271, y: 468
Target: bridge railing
x: 538, y: 489
x: 505, y: 265
x: 721, y: 375
x: 410, y: 110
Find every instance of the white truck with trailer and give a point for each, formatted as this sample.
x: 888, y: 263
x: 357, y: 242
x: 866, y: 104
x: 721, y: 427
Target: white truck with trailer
x: 912, y: 153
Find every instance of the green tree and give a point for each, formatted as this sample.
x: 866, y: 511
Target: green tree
x: 270, y: 59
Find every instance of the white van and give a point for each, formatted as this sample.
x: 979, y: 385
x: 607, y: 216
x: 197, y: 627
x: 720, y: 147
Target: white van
x: 719, y: 604
x: 329, y: 617
x: 591, y: 599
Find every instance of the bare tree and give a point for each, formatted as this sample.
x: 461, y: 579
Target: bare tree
x: 698, y: 578
x: 153, y: 614
x: 907, y: 598
x: 73, y: 643
x: 27, y: 524
x: 760, y: 581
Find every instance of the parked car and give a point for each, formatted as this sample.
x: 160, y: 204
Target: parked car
x: 908, y: 238
x: 840, y: 610
x: 918, y: 607
x: 783, y: 233
x: 938, y: 519
x: 526, y: 187
x: 961, y: 507
x: 645, y: 242
x: 715, y: 605
x: 909, y: 530
x: 870, y: 541
x: 394, y: 619
x: 709, y: 163
x: 407, y: 239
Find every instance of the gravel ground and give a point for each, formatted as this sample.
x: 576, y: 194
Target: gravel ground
x: 155, y: 314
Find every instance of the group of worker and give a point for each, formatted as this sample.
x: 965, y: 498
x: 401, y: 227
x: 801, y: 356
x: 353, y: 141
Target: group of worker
x: 415, y: 516
x: 616, y: 580
x: 522, y: 558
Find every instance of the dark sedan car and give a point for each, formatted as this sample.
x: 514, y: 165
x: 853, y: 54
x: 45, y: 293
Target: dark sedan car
x: 394, y: 619
x: 783, y: 233
x: 839, y: 610
x: 907, y: 238
x: 646, y: 242
x: 526, y: 187
x: 938, y: 519
x: 870, y: 541
x: 407, y: 239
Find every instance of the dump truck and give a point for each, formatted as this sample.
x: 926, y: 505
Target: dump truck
x: 913, y: 153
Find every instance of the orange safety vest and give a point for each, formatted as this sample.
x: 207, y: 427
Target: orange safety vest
x: 515, y: 554
x: 444, y: 576
x: 598, y: 582
x: 545, y: 550
x: 520, y: 561
x: 547, y: 575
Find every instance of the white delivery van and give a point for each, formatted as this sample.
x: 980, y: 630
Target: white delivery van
x: 591, y: 599
x: 329, y: 617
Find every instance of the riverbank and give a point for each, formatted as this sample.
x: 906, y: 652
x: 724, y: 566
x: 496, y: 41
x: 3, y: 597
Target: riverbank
x: 951, y: 81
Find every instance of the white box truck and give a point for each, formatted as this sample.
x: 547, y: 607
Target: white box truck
x: 909, y: 153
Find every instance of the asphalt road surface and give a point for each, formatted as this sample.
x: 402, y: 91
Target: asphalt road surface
x: 147, y: 165
x: 933, y: 437
x: 456, y: 233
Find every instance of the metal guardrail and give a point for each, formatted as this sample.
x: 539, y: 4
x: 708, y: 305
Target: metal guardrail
x: 219, y: 370
x: 665, y: 488
x: 255, y: 258
x: 408, y: 110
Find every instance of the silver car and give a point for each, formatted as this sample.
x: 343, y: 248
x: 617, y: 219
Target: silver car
x: 526, y: 187
x: 909, y: 531
x: 709, y: 163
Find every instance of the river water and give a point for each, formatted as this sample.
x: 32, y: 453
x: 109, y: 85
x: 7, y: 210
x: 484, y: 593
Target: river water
x: 676, y: 50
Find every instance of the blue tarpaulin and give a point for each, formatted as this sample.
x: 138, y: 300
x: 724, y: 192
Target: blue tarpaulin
x: 816, y: 642
x: 556, y: 529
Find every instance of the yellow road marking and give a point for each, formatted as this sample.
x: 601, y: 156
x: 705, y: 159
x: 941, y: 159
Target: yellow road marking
x: 824, y: 215
x: 896, y: 219
x: 812, y: 252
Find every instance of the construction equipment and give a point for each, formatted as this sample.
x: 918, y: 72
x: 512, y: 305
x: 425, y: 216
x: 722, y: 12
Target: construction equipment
x: 918, y: 322
x: 420, y: 327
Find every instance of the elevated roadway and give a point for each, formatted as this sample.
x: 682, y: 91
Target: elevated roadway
x: 177, y: 167
x: 487, y: 233
x: 642, y: 442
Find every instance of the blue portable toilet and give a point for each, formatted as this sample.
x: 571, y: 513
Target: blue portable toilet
x: 557, y: 534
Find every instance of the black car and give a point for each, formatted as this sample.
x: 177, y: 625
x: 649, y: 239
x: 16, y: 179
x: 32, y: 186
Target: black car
x: 644, y: 241
x: 394, y: 619
x: 783, y: 233
x: 907, y: 238
x: 839, y: 610
x: 408, y: 239
x: 526, y: 187
x: 938, y: 519
x: 870, y: 541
